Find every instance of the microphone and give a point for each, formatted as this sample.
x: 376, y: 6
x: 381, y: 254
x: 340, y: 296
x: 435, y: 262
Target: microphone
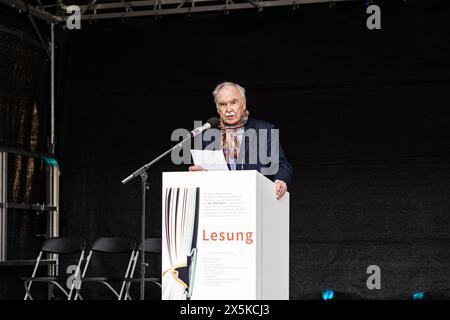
x: 210, y: 123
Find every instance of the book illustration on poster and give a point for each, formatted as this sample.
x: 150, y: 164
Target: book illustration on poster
x: 225, y: 237
x: 180, y: 222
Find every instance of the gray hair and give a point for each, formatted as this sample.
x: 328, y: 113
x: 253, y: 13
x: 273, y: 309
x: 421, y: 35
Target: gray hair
x: 223, y: 84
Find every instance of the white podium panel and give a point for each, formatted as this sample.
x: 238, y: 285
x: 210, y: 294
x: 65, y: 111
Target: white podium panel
x: 225, y: 236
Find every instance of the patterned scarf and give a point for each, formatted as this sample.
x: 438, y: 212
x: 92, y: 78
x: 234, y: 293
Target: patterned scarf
x: 230, y: 142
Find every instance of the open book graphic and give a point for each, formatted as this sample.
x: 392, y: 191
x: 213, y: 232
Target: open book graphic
x: 179, y: 242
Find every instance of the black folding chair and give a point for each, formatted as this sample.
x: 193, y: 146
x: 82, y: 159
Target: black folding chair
x: 110, y: 246
x: 152, y: 247
x: 60, y: 246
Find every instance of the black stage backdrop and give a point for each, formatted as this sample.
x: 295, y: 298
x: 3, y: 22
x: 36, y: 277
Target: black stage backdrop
x: 24, y: 117
x: 364, y: 118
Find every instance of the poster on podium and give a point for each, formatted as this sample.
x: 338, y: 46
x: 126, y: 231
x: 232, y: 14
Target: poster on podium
x: 211, y: 248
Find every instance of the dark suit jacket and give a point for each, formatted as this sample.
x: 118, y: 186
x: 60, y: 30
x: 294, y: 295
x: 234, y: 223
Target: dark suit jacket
x: 285, y: 171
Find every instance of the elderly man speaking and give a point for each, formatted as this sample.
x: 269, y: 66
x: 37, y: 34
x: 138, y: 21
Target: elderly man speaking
x: 235, y: 124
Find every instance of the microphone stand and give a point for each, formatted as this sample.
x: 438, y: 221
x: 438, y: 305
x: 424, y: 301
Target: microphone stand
x: 142, y: 172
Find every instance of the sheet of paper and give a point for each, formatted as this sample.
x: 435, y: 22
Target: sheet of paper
x: 211, y: 160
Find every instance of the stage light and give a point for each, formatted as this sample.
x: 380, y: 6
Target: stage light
x: 327, y: 294
x: 51, y: 161
x: 418, y: 295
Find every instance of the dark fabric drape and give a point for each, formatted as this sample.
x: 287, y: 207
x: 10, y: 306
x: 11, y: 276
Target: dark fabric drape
x: 23, y: 113
x: 364, y: 119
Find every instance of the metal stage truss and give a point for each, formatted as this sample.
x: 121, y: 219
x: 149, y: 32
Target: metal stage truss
x: 55, y: 11
x: 50, y: 207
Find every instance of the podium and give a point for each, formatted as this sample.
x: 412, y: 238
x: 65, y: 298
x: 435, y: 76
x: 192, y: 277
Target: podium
x: 225, y: 236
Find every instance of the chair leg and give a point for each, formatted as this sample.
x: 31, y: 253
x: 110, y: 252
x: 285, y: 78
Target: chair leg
x: 75, y: 286
x: 127, y: 292
x: 51, y: 291
x: 61, y: 288
x: 122, y: 290
x: 111, y: 288
x: 77, y: 294
x: 27, y: 290
x: 128, y: 297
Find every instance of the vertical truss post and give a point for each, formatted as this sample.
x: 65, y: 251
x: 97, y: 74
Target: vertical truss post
x: 52, y: 88
x: 3, y: 204
x: 52, y: 200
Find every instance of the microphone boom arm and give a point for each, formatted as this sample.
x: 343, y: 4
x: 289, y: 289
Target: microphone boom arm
x: 142, y: 172
x: 145, y: 167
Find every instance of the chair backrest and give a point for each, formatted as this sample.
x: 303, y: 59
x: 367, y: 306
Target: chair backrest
x: 59, y: 245
x: 63, y: 245
x: 153, y: 245
x: 114, y: 245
